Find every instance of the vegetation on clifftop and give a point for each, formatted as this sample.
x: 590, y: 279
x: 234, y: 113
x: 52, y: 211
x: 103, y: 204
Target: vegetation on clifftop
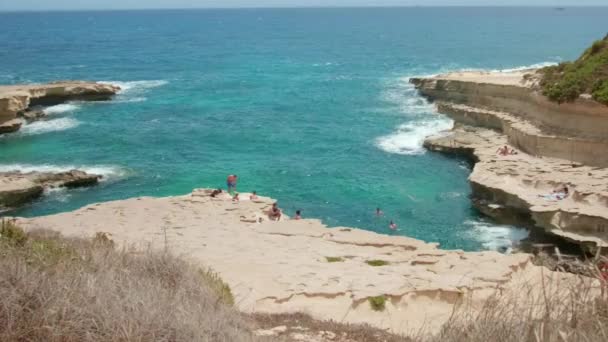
x: 58, y: 289
x: 587, y: 75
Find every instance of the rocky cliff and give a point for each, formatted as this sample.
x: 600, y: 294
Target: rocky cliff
x: 17, y: 188
x: 508, y: 102
x: 16, y: 100
x: 558, y: 145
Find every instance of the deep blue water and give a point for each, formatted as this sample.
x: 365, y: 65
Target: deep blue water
x: 309, y: 106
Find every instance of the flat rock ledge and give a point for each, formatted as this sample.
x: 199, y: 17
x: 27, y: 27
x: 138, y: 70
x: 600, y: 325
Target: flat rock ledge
x: 492, y: 110
x: 18, y: 188
x: 294, y: 266
x: 20, y: 103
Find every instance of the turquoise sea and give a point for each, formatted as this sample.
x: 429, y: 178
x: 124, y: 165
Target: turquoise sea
x: 309, y: 106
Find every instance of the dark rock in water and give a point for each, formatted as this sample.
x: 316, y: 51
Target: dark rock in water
x: 33, y: 114
x: 10, y: 126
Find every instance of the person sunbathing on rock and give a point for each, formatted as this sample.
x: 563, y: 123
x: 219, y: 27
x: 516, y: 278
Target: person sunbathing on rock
x: 505, y: 151
x: 557, y: 194
x: 253, y: 196
x: 275, y: 213
x: 298, y: 215
x: 236, y: 197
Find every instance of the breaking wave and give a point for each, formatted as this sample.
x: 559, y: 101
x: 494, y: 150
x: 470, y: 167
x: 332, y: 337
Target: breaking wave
x: 46, y: 126
x: 61, y: 108
x: 136, y: 86
x: 422, y: 118
x: 410, y: 136
x: 501, y: 238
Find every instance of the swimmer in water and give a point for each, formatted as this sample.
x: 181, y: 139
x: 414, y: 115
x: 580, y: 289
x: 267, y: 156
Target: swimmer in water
x: 379, y: 212
x: 392, y: 225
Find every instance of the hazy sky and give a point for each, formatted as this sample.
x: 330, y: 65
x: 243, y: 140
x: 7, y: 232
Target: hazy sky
x: 133, y: 4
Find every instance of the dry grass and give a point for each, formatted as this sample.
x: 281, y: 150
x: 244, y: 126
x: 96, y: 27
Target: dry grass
x: 57, y: 289
x: 565, y: 312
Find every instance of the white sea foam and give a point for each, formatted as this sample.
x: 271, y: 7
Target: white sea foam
x: 496, y: 237
x: 109, y: 172
x: 410, y: 136
x: 45, y: 126
x: 137, y: 86
x: 422, y: 118
x: 61, y: 108
x: 526, y: 67
x: 57, y: 194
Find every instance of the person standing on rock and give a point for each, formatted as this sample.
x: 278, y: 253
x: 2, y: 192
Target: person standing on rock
x: 231, y: 183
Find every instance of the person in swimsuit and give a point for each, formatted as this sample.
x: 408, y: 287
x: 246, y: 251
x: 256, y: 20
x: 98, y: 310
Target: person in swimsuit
x: 236, y: 197
x: 253, y: 196
x: 231, y: 183
x: 392, y: 225
x: 379, y: 212
x: 298, y: 215
x: 503, y: 151
x: 275, y: 213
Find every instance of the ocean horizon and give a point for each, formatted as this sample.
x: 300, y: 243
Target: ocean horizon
x: 311, y: 106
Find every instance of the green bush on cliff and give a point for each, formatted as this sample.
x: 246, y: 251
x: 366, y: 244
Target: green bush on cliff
x: 377, y: 303
x: 587, y: 75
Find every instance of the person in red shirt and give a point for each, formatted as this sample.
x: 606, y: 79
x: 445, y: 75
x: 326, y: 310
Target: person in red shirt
x: 231, y: 183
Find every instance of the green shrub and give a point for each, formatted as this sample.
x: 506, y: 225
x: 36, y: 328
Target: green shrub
x: 12, y: 234
x: 334, y: 259
x: 377, y: 303
x: 587, y: 75
x: 377, y: 262
x: 221, y: 289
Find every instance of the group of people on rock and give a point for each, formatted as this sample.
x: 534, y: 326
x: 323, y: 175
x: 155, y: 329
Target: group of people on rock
x: 275, y: 213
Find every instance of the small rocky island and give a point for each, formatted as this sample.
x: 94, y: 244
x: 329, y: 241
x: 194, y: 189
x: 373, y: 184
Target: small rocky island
x: 20, y: 104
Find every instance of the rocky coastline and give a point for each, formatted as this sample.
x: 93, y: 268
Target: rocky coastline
x: 20, y: 104
x: 23, y: 103
x: 343, y: 274
x: 557, y: 145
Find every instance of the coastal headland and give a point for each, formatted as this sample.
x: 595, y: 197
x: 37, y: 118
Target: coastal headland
x: 303, y: 266
x: 22, y: 103
x: 558, y: 145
